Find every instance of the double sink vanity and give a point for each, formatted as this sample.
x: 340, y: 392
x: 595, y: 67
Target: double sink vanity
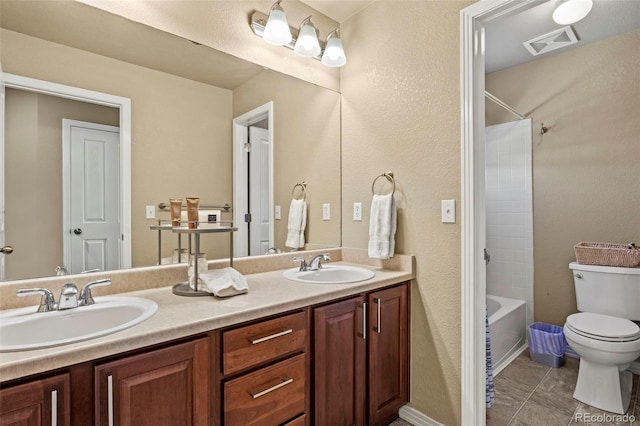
x: 323, y: 347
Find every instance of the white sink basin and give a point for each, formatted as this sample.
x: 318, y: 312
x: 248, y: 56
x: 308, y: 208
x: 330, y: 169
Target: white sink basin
x: 330, y: 274
x: 24, y: 329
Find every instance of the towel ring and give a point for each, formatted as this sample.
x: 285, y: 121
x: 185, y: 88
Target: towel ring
x: 390, y: 178
x: 303, y: 194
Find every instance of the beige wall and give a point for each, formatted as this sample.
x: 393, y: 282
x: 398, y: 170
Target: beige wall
x: 179, y: 136
x: 33, y: 170
x: 401, y: 112
x: 306, y: 148
x: 585, y: 169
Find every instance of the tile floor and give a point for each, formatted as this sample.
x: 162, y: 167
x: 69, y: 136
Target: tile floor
x: 528, y: 393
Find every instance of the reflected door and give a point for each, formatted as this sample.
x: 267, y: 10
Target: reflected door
x: 92, y: 193
x: 259, y: 199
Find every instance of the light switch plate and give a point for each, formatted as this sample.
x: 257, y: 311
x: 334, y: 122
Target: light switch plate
x: 277, y: 213
x: 150, y: 212
x: 357, y: 211
x: 326, y: 211
x: 448, y: 211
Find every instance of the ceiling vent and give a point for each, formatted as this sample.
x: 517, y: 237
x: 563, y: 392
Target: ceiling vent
x: 554, y: 40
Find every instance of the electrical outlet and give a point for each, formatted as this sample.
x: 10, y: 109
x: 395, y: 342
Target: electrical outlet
x: 150, y: 212
x: 277, y: 214
x: 448, y: 211
x: 357, y: 211
x: 326, y: 211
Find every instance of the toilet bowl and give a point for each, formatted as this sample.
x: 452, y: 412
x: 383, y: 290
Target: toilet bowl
x: 604, y: 335
x: 607, y: 345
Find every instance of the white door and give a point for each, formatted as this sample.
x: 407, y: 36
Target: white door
x: 259, y: 199
x: 2, y: 175
x: 91, y: 208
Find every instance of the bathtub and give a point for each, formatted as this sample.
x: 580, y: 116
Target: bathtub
x: 508, y: 328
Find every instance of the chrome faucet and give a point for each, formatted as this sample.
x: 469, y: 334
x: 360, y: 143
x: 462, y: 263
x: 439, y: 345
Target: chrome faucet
x: 316, y: 262
x: 68, y: 297
x: 47, y: 303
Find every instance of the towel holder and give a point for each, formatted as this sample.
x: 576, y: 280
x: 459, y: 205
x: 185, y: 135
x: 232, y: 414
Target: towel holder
x: 390, y: 178
x: 303, y: 194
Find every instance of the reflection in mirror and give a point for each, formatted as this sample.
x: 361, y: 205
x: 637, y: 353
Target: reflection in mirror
x: 181, y: 126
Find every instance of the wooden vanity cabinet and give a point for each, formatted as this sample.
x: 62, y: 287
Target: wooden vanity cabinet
x: 169, y: 386
x: 361, y: 358
x: 262, y: 372
x: 41, y: 402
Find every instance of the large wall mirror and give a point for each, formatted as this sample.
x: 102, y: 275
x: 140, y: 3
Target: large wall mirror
x: 184, y: 98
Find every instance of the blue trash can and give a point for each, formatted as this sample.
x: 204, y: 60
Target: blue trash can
x: 547, y: 344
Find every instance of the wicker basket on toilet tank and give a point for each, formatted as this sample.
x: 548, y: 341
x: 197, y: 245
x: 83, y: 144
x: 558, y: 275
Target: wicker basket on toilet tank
x: 605, y: 254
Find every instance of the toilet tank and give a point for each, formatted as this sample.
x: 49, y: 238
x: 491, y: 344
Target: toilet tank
x: 607, y: 290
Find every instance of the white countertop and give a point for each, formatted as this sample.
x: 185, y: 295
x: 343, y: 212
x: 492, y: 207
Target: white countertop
x: 177, y: 317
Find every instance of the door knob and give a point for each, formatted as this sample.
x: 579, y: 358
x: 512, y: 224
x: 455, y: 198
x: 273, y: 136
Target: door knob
x: 77, y: 231
x: 6, y: 250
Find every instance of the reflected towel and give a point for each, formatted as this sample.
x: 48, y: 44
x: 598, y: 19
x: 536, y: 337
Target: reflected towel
x: 382, y: 227
x: 223, y: 282
x: 297, y: 223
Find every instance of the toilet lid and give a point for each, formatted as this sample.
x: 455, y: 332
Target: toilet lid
x: 603, y: 327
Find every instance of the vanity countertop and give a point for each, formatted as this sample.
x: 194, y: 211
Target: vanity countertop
x: 177, y: 317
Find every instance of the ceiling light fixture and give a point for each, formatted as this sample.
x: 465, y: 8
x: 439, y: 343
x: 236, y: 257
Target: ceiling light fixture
x: 334, y: 55
x: 307, y: 44
x: 571, y: 11
x: 304, y: 42
x: 277, y: 29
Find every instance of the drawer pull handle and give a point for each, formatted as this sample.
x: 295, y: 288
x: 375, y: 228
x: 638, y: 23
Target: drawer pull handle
x: 110, y: 416
x: 379, y: 303
x: 54, y: 408
x: 285, y: 381
x: 257, y: 340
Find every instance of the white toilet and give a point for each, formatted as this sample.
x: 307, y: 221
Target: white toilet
x: 603, y: 334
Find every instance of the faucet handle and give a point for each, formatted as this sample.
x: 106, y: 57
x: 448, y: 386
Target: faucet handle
x: 85, y: 294
x: 48, y: 301
x: 303, y: 263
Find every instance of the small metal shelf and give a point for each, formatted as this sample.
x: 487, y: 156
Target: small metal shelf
x: 183, y: 288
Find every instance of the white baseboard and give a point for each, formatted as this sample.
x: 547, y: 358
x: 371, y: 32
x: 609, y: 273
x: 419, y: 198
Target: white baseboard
x: 416, y: 418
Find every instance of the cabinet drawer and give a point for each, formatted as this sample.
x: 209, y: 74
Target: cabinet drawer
x: 298, y: 421
x: 269, y: 396
x: 251, y: 345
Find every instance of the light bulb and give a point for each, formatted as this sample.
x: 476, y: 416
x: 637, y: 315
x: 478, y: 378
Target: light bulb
x: 277, y: 29
x: 334, y: 55
x: 307, y: 44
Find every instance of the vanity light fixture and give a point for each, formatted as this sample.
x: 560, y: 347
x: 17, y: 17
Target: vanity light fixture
x: 571, y: 11
x: 333, y: 55
x: 307, y: 44
x: 303, y: 42
x: 277, y: 29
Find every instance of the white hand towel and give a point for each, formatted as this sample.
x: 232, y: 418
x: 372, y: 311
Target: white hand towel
x: 224, y: 282
x: 297, y: 223
x: 382, y: 227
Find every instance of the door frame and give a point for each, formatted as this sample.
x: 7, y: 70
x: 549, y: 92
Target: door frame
x: 66, y: 180
x: 473, y: 20
x: 124, y: 106
x: 240, y: 134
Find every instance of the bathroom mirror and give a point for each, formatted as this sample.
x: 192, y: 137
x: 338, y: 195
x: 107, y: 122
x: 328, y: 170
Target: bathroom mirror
x: 184, y: 97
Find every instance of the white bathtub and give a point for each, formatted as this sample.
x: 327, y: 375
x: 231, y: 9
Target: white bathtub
x: 508, y: 328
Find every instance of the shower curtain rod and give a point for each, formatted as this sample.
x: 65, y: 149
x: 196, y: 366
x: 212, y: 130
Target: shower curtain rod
x: 503, y: 105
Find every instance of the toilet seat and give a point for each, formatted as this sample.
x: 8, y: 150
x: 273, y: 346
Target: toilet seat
x: 603, y: 327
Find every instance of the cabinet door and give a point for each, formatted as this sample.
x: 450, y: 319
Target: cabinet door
x: 41, y: 402
x: 167, y: 386
x: 340, y: 360
x: 388, y: 353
